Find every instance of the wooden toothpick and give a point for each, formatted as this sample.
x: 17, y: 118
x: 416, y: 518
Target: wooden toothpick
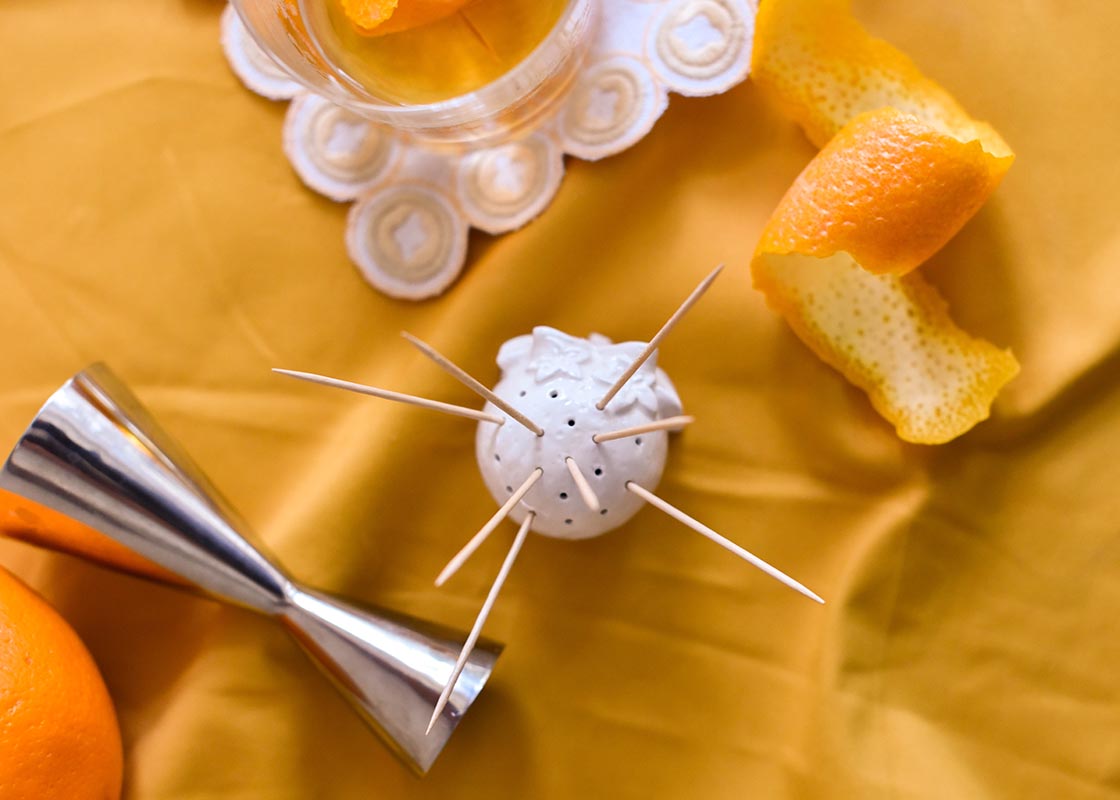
x: 590, y: 499
x: 704, y: 530
x: 689, y: 302
x: 480, y: 620
x: 385, y: 394
x: 669, y: 423
x: 480, y: 537
x: 464, y: 378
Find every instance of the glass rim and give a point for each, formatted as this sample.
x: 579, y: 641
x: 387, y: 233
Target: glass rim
x: 507, y: 90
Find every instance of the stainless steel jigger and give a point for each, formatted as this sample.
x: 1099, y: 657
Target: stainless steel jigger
x: 94, y: 454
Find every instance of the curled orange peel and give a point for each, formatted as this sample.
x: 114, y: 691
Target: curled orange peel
x: 380, y: 17
x: 902, y: 168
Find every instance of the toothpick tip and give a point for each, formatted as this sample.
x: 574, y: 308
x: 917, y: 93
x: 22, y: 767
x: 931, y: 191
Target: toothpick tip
x: 432, y: 721
x: 801, y: 588
x: 722, y: 541
x: 653, y: 343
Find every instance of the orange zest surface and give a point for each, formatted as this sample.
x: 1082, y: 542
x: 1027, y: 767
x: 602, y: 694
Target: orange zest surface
x: 58, y: 731
x: 380, y: 17
x: 902, y: 169
x: 887, y: 189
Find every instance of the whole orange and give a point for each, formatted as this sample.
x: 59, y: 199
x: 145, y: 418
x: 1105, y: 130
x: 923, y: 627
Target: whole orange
x: 59, y: 738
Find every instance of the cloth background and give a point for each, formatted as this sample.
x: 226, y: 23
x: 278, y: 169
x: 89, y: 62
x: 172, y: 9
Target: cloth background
x: 969, y: 648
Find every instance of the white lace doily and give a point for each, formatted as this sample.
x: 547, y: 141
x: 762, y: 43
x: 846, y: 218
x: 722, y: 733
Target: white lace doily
x: 413, y: 206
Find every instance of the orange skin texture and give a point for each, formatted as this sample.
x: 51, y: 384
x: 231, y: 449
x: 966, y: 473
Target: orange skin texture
x: 888, y: 189
x: 902, y: 169
x: 58, y: 730
x: 35, y: 524
x: 381, y: 17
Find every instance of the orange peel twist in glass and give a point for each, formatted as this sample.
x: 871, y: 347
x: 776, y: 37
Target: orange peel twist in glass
x: 379, y: 17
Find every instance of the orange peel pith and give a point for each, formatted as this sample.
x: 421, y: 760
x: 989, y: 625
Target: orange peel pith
x: 823, y: 68
x: 366, y: 15
x: 891, y: 336
x: 902, y: 169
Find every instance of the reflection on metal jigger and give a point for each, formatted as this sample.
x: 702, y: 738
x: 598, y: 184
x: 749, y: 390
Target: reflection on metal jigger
x: 95, y: 455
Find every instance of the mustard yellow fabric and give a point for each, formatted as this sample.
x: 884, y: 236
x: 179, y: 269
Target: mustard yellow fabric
x: 970, y: 646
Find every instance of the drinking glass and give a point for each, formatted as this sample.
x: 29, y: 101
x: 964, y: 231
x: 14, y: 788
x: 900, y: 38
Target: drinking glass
x: 479, y: 73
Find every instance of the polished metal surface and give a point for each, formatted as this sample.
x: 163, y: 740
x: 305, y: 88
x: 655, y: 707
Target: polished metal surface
x: 94, y: 454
